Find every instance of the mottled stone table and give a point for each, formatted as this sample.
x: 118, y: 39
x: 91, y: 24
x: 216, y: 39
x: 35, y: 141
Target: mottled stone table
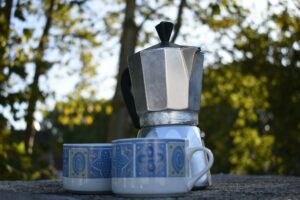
x: 224, y: 187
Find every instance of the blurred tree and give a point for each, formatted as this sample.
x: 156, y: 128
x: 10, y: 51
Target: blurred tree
x: 78, y: 120
x: 24, y: 44
x: 119, y: 120
x: 40, y: 68
x: 15, y: 163
x: 255, y: 99
x: 234, y: 101
x: 30, y: 33
x: 83, y: 120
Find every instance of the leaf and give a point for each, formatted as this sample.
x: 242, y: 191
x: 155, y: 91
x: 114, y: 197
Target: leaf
x: 19, y: 13
x: 28, y: 32
x: 215, y: 9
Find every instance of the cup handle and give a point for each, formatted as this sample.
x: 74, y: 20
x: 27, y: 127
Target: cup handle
x: 190, y: 153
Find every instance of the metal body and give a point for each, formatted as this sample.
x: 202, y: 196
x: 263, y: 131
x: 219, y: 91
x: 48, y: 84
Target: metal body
x: 167, y: 79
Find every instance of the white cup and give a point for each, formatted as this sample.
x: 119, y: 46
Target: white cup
x: 154, y: 167
x: 87, y: 168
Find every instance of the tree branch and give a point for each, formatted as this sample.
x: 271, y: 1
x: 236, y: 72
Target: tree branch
x: 150, y: 13
x: 7, y: 13
x: 178, y: 20
x: 34, y: 88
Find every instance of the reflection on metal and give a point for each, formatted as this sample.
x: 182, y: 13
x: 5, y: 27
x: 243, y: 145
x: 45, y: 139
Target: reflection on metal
x: 166, y: 79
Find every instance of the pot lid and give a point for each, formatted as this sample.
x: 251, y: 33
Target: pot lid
x: 164, y: 30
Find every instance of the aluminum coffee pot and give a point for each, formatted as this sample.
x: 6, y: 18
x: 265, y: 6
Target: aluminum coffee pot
x: 162, y: 88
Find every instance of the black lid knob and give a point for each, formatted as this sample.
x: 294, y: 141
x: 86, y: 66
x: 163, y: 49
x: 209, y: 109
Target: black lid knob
x: 164, y: 30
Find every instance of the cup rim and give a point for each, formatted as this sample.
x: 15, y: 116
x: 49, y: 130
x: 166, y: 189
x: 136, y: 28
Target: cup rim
x: 150, y: 139
x: 88, y: 144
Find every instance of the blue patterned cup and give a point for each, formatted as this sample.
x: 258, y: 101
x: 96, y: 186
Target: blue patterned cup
x: 87, y: 167
x: 154, y: 167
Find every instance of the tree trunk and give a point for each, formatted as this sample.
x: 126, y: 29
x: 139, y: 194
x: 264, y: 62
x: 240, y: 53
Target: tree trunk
x: 119, y: 123
x: 7, y: 13
x: 34, y: 90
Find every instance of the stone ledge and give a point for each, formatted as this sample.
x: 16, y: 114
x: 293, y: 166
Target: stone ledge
x: 224, y: 187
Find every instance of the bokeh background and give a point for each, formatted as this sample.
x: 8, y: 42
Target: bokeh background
x: 60, y: 66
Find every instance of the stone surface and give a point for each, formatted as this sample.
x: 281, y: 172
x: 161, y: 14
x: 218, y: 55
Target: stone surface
x: 224, y: 187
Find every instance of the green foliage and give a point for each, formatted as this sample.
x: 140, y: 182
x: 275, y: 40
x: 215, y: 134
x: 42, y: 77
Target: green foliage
x: 15, y: 163
x: 250, y: 107
x: 235, y: 106
x: 24, y: 44
x: 79, y: 120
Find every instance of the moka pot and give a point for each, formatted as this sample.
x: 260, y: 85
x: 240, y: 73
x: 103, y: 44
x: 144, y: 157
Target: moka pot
x: 162, y: 88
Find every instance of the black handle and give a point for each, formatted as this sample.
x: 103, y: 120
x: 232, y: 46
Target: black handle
x: 164, y: 30
x: 128, y: 98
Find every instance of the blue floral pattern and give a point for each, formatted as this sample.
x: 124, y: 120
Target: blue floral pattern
x: 87, y: 162
x: 122, y: 162
x: 151, y: 159
x: 66, y: 162
x: 99, y: 163
x: 176, y: 160
x: 78, y: 162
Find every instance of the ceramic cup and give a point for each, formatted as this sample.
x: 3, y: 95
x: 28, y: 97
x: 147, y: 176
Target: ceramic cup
x: 154, y: 167
x: 87, y: 168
